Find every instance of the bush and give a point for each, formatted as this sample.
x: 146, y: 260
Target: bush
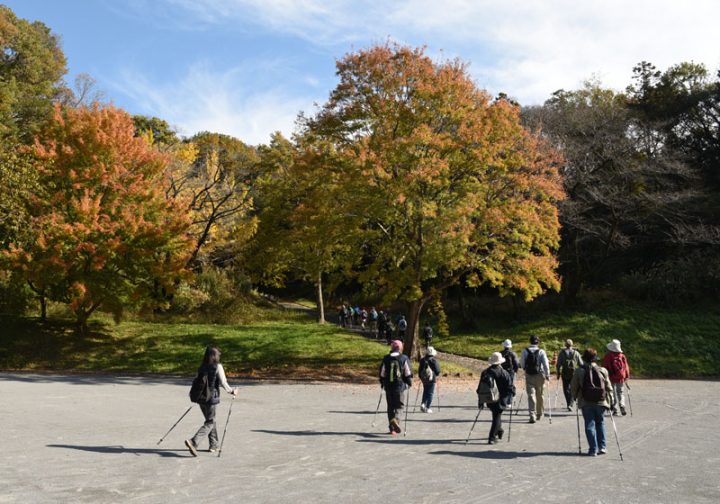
x: 15, y: 296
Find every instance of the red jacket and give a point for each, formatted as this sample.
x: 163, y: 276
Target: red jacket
x: 617, y: 365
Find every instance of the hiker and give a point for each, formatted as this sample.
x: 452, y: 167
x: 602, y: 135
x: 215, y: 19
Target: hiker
x: 381, y: 325
x: 568, y: 361
x: 389, y: 330
x: 395, y: 378
x: 428, y: 335
x: 592, y: 390
x: 428, y: 372
x: 401, y: 327
x: 496, y: 391
x: 216, y: 378
x: 510, y: 364
x: 535, y: 363
x: 617, y: 365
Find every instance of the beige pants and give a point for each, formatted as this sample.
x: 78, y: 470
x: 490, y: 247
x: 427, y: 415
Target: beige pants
x: 535, y: 388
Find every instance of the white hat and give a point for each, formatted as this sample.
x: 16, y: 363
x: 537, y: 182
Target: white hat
x: 496, y: 358
x: 507, y: 344
x: 431, y: 351
x: 614, y: 346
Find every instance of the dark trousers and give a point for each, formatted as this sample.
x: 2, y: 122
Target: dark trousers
x: 496, y: 425
x: 568, y: 393
x: 395, y: 403
x: 209, y: 428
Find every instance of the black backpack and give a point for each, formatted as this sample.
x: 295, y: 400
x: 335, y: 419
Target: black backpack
x: 568, y: 366
x: 487, y: 390
x: 393, y: 372
x: 200, y: 390
x: 593, y: 388
x: 532, y: 362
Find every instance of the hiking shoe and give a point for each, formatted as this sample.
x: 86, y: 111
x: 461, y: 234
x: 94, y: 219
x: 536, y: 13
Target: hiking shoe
x: 532, y: 419
x: 602, y: 451
x: 423, y: 408
x: 213, y: 449
x: 395, y: 425
x: 500, y: 434
x: 191, y: 446
x: 492, y: 441
x: 622, y: 411
x: 569, y: 408
x: 592, y: 454
x: 428, y: 410
x: 614, y: 411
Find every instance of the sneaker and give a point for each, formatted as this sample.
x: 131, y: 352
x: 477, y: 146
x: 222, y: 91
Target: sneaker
x: 395, y: 425
x: 191, y: 446
x: 428, y: 410
x: 569, y: 408
x: 591, y: 454
x: 423, y: 408
x: 614, y: 411
x: 622, y: 411
x: 492, y: 441
x: 602, y: 451
x: 532, y: 419
x: 500, y: 434
x: 213, y: 449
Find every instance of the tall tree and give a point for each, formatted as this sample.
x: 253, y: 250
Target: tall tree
x: 106, y: 234
x: 445, y: 183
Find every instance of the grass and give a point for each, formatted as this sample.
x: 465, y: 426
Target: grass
x: 291, y: 349
x: 659, y: 343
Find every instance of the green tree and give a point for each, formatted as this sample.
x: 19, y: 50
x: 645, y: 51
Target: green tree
x: 106, y: 235
x: 445, y: 183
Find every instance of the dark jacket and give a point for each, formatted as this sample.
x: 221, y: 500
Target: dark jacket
x: 389, y: 381
x: 511, y: 361
x: 504, y: 385
x: 432, y: 363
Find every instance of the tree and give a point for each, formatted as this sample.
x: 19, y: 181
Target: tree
x: 107, y: 237
x: 31, y: 69
x: 445, y: 183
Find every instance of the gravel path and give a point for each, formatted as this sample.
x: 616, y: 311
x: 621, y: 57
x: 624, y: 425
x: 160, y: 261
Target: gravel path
x: 93, y: 439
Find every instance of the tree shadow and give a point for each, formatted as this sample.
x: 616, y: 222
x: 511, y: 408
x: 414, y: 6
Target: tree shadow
x: 319, y: 433
x: 119, y: 449
x: 496, y: 453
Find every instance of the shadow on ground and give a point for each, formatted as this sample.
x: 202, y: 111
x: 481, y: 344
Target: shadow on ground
x: 119, y: 449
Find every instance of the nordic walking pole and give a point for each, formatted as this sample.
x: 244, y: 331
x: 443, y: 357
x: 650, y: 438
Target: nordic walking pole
x: 548, y: 400
x: 171, y: 428
x: 612, y: 417
x: 510, y: 428
x: 226, y: 425
x: 416, y: 398
x: 473, y: 425
x: 577, y: 417
x: 377, y: 409
x: 519, y: 400
x: 407, y: 400
x: 557, y: 386
x: 628, y: 394
x: 438, y: 389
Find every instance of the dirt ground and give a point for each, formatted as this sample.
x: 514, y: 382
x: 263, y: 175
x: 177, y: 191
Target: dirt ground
x: 94, y: 439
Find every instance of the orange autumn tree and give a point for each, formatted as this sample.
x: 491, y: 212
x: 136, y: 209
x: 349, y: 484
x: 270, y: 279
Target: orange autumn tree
x: 444, y: 181
x: 105, y: 234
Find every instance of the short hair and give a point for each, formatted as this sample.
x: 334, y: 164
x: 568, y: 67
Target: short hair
x: 589, y: 355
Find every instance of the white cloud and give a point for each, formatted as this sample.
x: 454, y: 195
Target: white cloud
x: 228, y: 102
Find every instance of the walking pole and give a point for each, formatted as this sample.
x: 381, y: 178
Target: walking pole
x: 171, y: 428
x: 473, y: 425
x: 377, y: 409
x: 612, y: 417
x: 557, y: 386
x: 577, y: 417
x: 438, y: 390
x: 407, y: 400
x: 520, y: 400
x: 628, y: 394
x: 226, y: 425
x: 510, y: 428
x: 548, y: 400
x: 416, y: 398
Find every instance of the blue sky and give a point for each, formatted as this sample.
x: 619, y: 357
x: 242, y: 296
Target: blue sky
x: 247, y: 67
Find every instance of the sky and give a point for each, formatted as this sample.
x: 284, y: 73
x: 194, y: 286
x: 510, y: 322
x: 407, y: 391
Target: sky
x: 247, y: 67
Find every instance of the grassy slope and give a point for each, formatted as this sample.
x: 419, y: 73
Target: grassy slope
x: 658, y: 343
x: 293, y: 349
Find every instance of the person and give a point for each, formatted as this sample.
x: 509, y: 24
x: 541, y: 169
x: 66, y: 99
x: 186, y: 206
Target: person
x: 428, y: 335
x: 586, y: 380
x: 505, y: 390
x: 401, y: 327
x: 510, y: 364
x: 428, y: 371
x: 568, y: 361
x: 216, y: 379
x: 535, y: 363
x: 381, y: 325
x: 619, y: 369
x: 395, y: 378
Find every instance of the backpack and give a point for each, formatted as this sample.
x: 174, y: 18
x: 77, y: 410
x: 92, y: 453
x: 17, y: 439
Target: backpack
x: 393, y: 372
x: 617, y: 365
x: 568, y: 366
x: 532, y: 362
x: 428, y: 374
x: 487, y: 390
x: 402, y: 324
x: 593, y: 388
x: 200, y: 390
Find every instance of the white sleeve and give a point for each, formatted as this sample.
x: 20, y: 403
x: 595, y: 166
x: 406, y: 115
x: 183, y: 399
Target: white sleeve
x: 223, y: 378
x: 545, y: 363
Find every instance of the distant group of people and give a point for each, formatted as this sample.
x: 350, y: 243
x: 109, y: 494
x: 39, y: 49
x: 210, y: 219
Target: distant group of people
x: 594, y: 389
x: 379, y: 323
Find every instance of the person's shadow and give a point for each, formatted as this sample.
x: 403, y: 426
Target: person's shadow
x: 119, y: 449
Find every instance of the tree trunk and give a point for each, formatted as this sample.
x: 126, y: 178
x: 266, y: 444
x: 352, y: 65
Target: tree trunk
x: 43, y: 308
x: 410, y: 344
x: 321, y: 306
x: 82, y: 323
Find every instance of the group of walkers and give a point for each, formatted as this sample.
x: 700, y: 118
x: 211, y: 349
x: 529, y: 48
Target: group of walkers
x: 380, y: 323
x: 594, y: 389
